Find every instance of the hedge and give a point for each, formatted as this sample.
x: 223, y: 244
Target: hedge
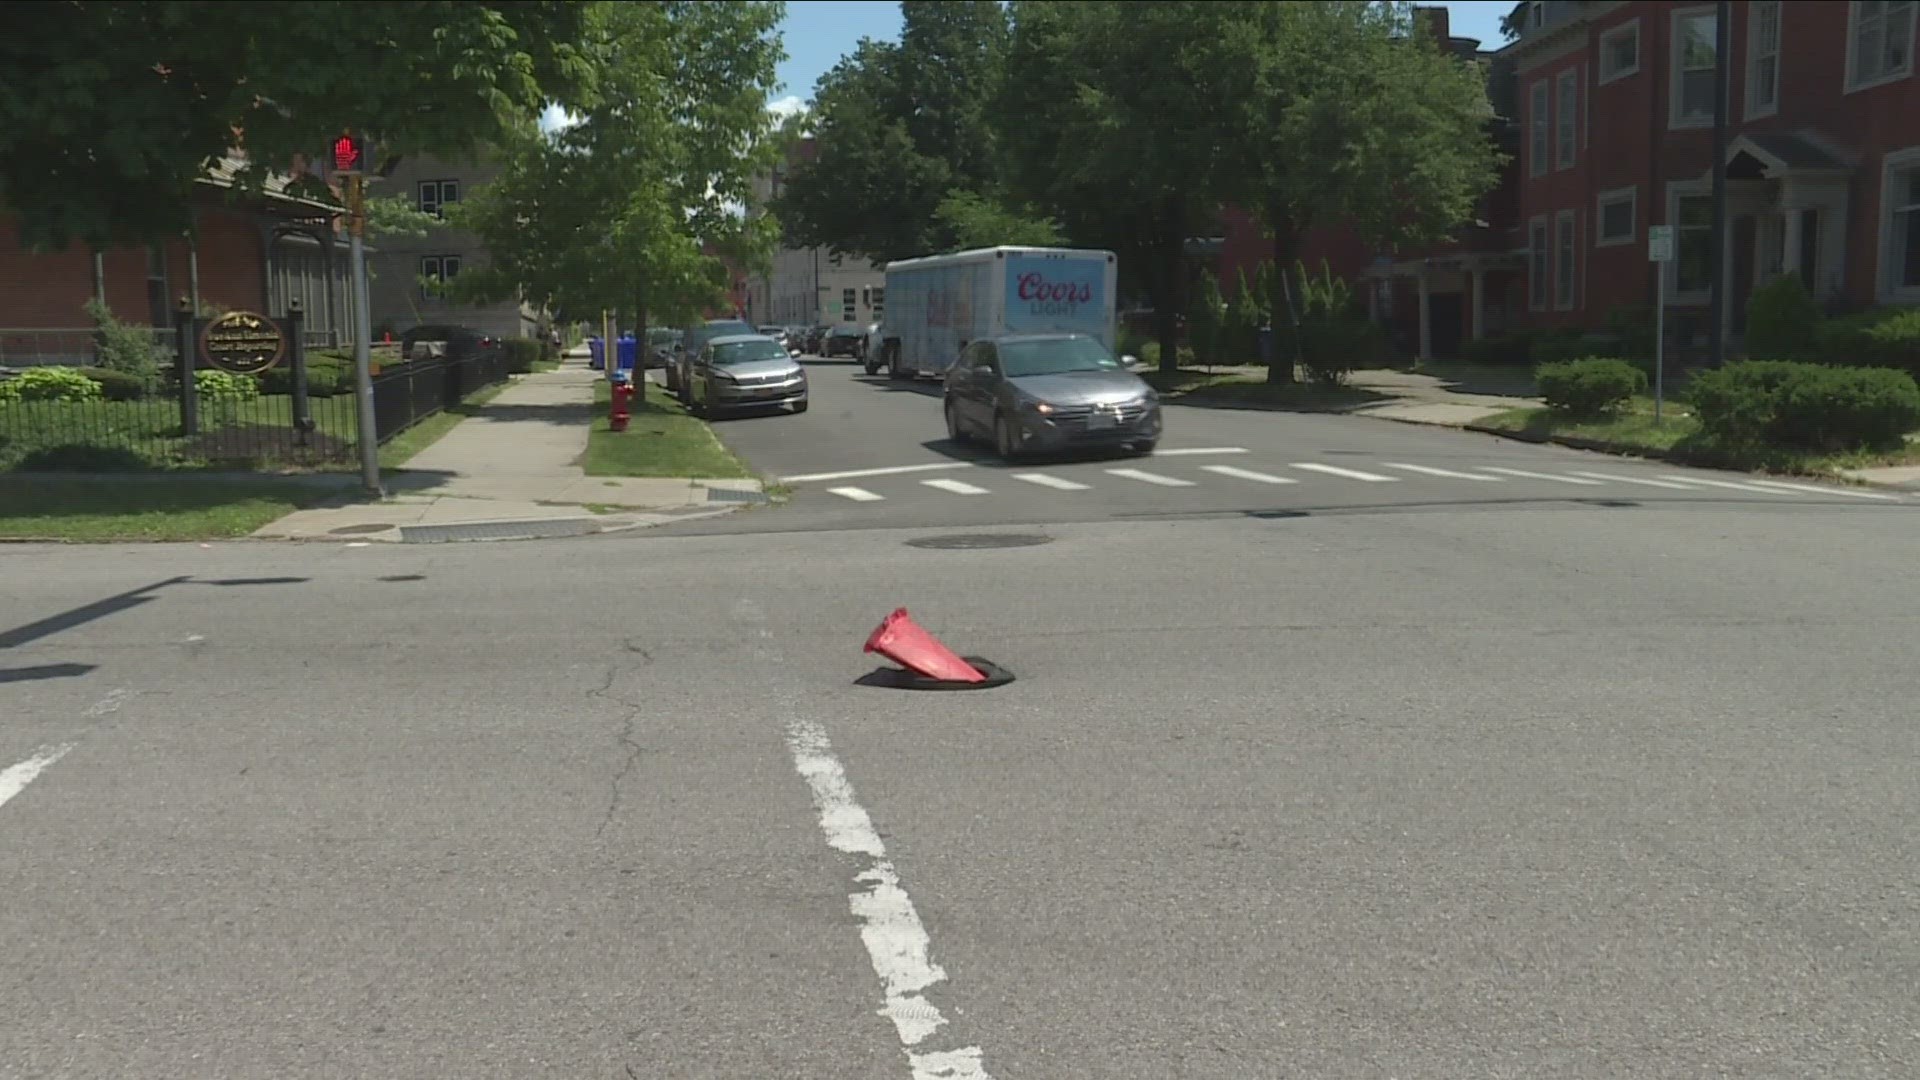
x: 1786, y: 404
x: 1590, y: 387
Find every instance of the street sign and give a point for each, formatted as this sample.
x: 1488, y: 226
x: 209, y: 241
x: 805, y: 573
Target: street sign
x: 242, y: 343
x: 1659, y: 243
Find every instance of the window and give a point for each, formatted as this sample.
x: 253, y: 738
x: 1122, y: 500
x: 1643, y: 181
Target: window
x: 438, y: 268
x: 847, y: 305
x: 1763, y: 58
x: 1536, y: 14
x: 1694, y: 49
x: 1538, y: 119
x: 1537, y: 264
x: 1900, y: 236
x: 1614, y: 217
x: 1620, y: 52
x: 435, y: 195
x: 1565, y: 130
x: 1880, y: 39
x: 879, y: 300
x: 1693, y: 244
x: 1565, y: 254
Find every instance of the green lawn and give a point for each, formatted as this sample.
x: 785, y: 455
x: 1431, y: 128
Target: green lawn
x: 1678, y: 436
x: 170, y: 507
x: 1195, y: 386
x: 660, y: 440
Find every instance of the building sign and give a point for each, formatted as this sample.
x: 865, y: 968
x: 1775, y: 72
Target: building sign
x: 242, y: 343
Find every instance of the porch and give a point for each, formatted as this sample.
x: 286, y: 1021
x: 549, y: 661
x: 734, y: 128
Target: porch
x: 1440, y: 302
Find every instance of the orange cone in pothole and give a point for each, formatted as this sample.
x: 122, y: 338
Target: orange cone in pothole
x: 900, y: 639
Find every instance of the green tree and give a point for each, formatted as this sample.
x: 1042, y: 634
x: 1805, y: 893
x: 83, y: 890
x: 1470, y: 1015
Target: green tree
x: 621, y: 210
x: 1350, y: 113
x: 972, y: 220
x: 111, y: 110
x: 1205, y: 318
x: 899, y: 128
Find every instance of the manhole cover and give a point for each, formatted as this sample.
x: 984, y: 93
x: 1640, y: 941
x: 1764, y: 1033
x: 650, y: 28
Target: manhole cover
x: 357, y: 530
x: 970, y: 541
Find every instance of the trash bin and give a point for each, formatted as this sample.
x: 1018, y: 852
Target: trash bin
x: 626, y: 352
x: 596, y: 353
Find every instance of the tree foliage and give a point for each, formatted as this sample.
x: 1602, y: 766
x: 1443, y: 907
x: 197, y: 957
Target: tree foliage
x: 111, y: 110
x: 972, y: 220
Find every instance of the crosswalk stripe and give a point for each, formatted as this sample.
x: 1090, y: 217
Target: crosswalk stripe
x: 1542, y: 476
x: 1057, y: 483
x: 1635, y: 480
x: 856, y: 494
x: 1182, y: 451
x: 958, y: 487
x: 1730, y: 485
x: 1149, y: 478
x: 1248, y: 474
x: 1849, y: 492
x: 1448, y: 473
x: 1350, y: 474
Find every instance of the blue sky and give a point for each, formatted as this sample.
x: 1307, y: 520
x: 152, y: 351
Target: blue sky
x: 819, y: 32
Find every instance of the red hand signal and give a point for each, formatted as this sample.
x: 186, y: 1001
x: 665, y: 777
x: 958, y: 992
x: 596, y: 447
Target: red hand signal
x: 346, y: 153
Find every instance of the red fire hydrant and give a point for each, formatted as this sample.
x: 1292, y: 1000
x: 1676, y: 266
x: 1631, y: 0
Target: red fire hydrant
x: 622, y: 403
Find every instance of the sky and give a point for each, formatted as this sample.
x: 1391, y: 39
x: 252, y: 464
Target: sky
x: 819, y: 32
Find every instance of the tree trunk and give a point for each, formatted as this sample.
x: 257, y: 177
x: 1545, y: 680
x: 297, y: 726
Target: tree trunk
x: 640, y: 350
x: 1286, y: 251
x: 1171, y: 275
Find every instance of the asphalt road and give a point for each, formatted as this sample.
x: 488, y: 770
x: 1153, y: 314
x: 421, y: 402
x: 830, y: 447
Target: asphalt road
x: 871, y: 453
x: 1542, y: 787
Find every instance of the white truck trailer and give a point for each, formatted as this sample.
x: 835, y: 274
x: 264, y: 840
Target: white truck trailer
x: 937, y: 304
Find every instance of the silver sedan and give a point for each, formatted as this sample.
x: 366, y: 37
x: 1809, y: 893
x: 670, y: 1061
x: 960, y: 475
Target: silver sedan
x: 743, y: 371
x: 1033, y: 392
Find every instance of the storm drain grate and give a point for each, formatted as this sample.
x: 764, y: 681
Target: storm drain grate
x: 729, y: 495
x: 549, y: 529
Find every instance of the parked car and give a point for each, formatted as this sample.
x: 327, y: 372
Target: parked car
x: 692, y: 340
x: 741, y: 371
x: 844, y: 340
x: 873, y: 350
x: 816, y: 339
x: 780, y: 334
x: 1034, y: 392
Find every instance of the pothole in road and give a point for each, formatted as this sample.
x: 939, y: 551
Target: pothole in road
x: 978, y: 541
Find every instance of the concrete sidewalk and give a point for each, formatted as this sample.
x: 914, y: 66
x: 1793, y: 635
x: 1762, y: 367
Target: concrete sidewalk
x: 1422, y: 398
x: 513, y: 470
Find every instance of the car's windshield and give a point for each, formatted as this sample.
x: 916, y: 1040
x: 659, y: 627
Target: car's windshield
x: 1055, y: 356
x: 846, y: 331
x: 721, y: 329
x: 746, y: 352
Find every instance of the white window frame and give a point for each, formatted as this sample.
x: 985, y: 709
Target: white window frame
x: 1536, y: 15
x: 434, y: 268
x: 1566, y: 257
x: 1539, y: 132
x: 1539, y: 262
x: 443, y: 192
x: 1629, y: 195
x: 1855, y: 26
x: 1670, y: 272
x: 1629, y: 28
x: 1676, y: 71
x: 1893, y: 164
x: 1566, y: 118
x: 1762, y: 47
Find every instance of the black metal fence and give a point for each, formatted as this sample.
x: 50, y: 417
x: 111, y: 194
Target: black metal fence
x: 131, y: 422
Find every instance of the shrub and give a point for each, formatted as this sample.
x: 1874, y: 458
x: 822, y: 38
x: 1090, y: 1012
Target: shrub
x: 117, y: 385
x: 1886, y: 337
x: 1556, y: 346
x: 1239, y: 340
x: 121, y: 347
x: 1513, y: 347
x: 1783, y: 320
x: 1589, y: 387
x: 327, y: 376
x: 222, y: 393
x: 521, y: 354
x: 1205, y: 319
x: 1780, y: 403
x: 50, y: 384
x: 1334, y: 335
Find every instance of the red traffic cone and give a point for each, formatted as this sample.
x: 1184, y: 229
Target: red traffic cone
x: 900, y: 640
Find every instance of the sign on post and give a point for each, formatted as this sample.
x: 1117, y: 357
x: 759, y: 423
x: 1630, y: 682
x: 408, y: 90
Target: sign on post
x: 242, y: 343
x: 1660, y: 243
x: 1659, y: 253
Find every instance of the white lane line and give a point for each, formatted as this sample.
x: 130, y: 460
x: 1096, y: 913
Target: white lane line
x: 892, y: 470
x: 1730, y: 485
x: 1149, y: 478
x: 1556, y: 478
x: 15, y: 778
x: 890, y: 927
x: 1637, y: 480
x: 1448, y: 473
x: 1350, y: 474
x: 1057, y: 483
x: 1188, y: 451
x: 856, y: 494
x: 1817, y: 490
x: 1249, y: 474
x: 958, y: 487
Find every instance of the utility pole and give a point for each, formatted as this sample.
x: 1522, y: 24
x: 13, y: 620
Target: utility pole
x: 349, y: 160
x: 1722, y: 92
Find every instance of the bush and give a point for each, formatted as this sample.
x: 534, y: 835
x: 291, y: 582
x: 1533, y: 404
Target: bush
x: 521, y: 354
x: 1783, y: 320
x: 222, y: 393
x: 1513, y: 347
x: 1557, y: 345
x: 327, y: 376
x: 1589, y: 387
x: 121, y: 347
x: 1334, y: 335
x: 50, y: 384
x: 1786, y: 404
x: 1205, y: 318
x: 117, y: 385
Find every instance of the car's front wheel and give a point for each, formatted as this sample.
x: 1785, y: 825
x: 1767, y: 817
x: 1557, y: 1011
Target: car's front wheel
x: 1006, y: 439
x: 956, y: 430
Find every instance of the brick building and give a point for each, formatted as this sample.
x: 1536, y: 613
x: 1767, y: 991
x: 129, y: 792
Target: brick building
x: 396, y: 294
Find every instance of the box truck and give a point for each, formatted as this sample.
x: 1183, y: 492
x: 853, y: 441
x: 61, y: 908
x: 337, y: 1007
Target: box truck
x: 937, y: 304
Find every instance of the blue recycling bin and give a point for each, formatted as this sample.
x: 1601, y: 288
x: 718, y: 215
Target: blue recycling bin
x: 596, y: 353
x: 626, y: 352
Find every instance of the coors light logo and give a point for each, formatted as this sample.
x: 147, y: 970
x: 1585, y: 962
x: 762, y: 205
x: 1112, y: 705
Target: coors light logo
x: 1051, y: 296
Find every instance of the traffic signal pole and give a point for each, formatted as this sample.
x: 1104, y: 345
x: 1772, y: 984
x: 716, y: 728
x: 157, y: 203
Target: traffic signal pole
x: 362, y: 337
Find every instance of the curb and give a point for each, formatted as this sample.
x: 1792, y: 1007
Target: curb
x: 1680, y: 457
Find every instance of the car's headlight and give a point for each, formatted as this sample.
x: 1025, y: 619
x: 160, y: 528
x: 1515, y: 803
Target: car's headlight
x: 722, y: 376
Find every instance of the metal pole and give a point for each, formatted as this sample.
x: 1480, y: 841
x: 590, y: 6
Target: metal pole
x: 1722, y: 90
x: 1659, y: 341
x: 369, y: 436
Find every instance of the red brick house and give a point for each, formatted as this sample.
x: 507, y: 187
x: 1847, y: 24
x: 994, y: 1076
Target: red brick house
x: 248, y: 252
x: 1823, y: 162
